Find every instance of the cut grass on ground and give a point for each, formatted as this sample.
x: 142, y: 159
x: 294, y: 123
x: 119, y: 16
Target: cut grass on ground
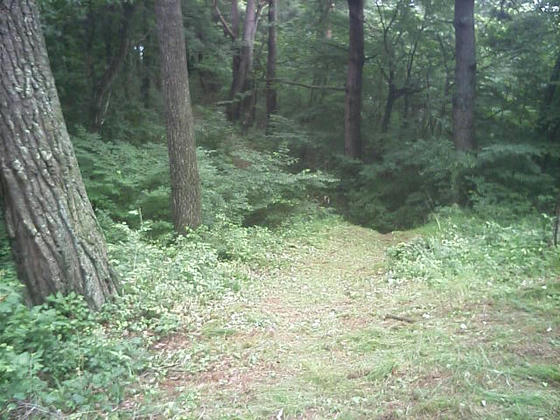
x: 318, y: 336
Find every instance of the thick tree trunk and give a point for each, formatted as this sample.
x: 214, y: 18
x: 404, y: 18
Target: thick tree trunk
x: 102, y: 89
x: 353, y: 103
x: 57, y: 242
x: 185, y: 182
x: 465, y: 74
x: 239, y: 93
x: 271, y: 99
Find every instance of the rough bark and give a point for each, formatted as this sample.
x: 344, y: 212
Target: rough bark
x: 353, y: 103
x: 465, y: 76
x: 102, y: 88
x: 271, y: 98
x: 241, y: 85
x: 57, y: 243
x: 185, y: 182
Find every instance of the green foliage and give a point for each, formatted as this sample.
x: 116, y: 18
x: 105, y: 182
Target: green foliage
x: 239, y: 183
x: 158, y: 279
x: 56, y: 355
x: 399, y: 192
x: 514, y: 176
x: 412, y: 181
x: 477, y: 247
x: 60, y: 356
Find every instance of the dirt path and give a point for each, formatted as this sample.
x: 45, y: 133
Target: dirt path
x: 310, y: 339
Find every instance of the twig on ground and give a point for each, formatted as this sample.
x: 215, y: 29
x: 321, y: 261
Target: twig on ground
x: 400, y: 318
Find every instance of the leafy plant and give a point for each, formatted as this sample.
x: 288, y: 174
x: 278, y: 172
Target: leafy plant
x: 466, y: 245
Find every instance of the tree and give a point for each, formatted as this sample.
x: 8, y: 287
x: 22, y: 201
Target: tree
x: 57, y: 243
x: 185, y: 181
x: 465, y: 74
x: 353, y: 103
x: 271, y: 103
x: 233, y: 32
x: 549, y: 124
x: 402, y: 31
x: 241, y: 85
x: 102, y: 87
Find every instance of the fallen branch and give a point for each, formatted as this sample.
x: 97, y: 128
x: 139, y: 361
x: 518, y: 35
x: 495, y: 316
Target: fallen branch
x: 304, y: 85
x: 400, y: 318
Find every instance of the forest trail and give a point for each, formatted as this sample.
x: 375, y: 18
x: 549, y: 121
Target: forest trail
x: 310, y: 338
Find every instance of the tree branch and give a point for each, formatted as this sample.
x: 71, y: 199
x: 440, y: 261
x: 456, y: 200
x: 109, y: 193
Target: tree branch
x: 304, y: 85
x: 225, y: 25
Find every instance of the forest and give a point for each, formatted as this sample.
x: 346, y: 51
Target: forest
x: 279, y: 209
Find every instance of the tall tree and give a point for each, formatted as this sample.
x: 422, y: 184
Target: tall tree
x: 271, y: 103
x: 549, y: 120
x: 102, y: 87
x: 353, y: 103
x: 241, y: 85
x: 185, y: 181
x: 465, y: 76
x: 233, y: 32
x: 57, y: 242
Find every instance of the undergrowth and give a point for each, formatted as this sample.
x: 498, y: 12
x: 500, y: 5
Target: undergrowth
x: 241, y: 183
x: 479, y: 247
x: 61, y: 358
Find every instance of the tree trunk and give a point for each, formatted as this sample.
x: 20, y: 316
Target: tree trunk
x: 148, y: 60
x: 353, y: 103
x: 271, y: 103
x: 324, y: 33
x: 241, y: 84
x: 465, y: 74
x: 236, y: 55
x: 57, y: 243
x: 391, y: 98
x: 102, y: 89
x: 185, y: 182
x: 548, y: 120
x: 551, y: 87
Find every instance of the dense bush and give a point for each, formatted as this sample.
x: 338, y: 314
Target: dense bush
x: 56, y: 355
x: 417, y: 178
x: 239, y: 182
x: 402, y: 189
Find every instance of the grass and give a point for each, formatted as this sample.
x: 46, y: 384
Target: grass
x: 457, y: 319
x: 308, y: 336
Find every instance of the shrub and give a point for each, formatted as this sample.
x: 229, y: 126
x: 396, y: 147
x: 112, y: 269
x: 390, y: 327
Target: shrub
x: 466, y: 245
x: 57, y: 356
x: 239, y: 183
